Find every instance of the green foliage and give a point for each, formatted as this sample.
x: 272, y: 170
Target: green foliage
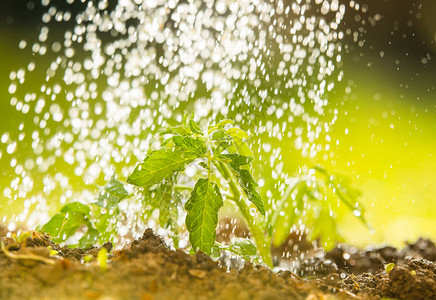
x: 93, y: 221
x: 222, y: 159
x: 220, y: 146
x: 245, y: 248
x: 314, y: 198
x: 161, y: 164
x: 65, y: 223
x: 112, y: 194
x: 202, y: 218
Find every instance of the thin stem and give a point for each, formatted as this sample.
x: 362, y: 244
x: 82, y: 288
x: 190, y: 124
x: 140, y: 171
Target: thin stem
x: 182, y: 188
x: 25, y: 256
x: 262, y: 241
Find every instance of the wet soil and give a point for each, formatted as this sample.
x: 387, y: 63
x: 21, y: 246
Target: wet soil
x: 148, y: 269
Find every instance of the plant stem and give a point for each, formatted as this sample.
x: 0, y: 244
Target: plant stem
x: 263, y: 242
x: 25, y: 256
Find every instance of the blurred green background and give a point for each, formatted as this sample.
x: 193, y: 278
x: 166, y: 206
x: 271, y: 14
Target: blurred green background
x: 386, y: 125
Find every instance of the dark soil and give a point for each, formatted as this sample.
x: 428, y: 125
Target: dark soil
x: 148, y: 269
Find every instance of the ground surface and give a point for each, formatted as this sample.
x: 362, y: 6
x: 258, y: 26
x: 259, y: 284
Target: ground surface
x: 147, y: 269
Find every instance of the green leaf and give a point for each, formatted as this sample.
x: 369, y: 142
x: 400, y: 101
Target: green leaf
x: 235, y: 161
x: 242, y: 147
x: 292, y: 209
x: 342, y: 187
x: 323, y: 227
x: 166, y: 206
x: 220, y: 136
x: 65, y: 223
x: 246, y: 181
x: 202, y: 218
x: 76, y: 207
x: 244, y: 247
x: 112, y: 194
x: 182, y: 130
x: 105, y: 221
x: 224, y: 122
x: 194, y: 127
x: 221, y: 147
x: 190, y: 144
x: 160, y: 164
x: 89, y: 238
x: 249, y: 185
x: 204, y: 165
x: 237, y: 133
x: 220, y: 125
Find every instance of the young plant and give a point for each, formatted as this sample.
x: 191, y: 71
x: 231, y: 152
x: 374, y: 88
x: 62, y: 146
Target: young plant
x: 222, y: 152
x: 99, y: 219
x: 314, y: 199
x: 222, y: 158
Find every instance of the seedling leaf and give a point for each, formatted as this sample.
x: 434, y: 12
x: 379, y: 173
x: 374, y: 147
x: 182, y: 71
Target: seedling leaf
x: 202, y: 218
x: 221, y: 136
x: 190, y: 144
x: 224, y: 122
x: 204, y: 165
x: 194, y: 127
x: 244, y: 247
x: 237, y: 133
x: 112, y: 194
x: 221, y: 147
x: 246, y: 181
x: 66, y: 222
x: 182, y: 130
x: 160, y: 164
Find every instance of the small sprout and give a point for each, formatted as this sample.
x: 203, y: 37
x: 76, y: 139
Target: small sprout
x: 87, y: 258
x: 389, y: 267
x: 102, y: 259
x: 52, y: 252
x: 413, y: 273
x: 22, y: 237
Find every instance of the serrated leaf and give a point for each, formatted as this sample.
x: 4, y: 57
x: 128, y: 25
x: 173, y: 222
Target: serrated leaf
x: 221, y: 147
x: 348, y: 195
x: 220, y: 125
x: 235, y: 161
x: 194, y: 127
x: 244, y: 247
x: 224, y: 122
x: 76, y: 207
x: 190, y: 144
x: 112, y: 194
x: 182, y: 130
x: 221, y: 136
x: 242, y: 147
x: 166, y: 206
x: 249, y: 185
x: 324, y: 227
x: 202, y: 218
x: 89, y: 238
x: 246, y: 181
x: 237, y: 133
x: 204, y: 165
x: 65, y: 223
x: 160, y: 164
x: 292, y: 209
